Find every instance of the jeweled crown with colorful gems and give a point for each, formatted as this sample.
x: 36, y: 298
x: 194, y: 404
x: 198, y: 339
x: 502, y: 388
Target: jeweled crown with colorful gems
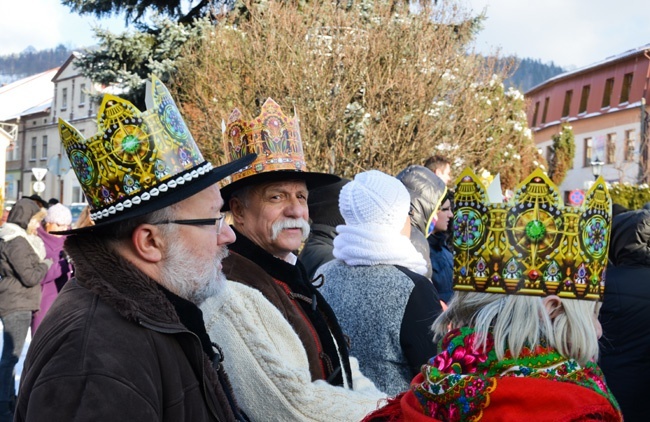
x: 135, y: 155
x: 272, y: 135
x: 533, y: 245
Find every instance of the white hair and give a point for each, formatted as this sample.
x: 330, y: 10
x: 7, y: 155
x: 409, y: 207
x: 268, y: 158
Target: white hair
x: 517, y: 321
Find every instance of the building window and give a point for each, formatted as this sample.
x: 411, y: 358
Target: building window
x: 588, y: 152
x: 627, y: 85
x: 16, y: 152
x: 32, y: 157
x: 607, y: 94
x: 630, y: 139
x: 545, y: 112
x: 64, y: 98
x: 44, y: 150
x: 82, y: 94
x: 584, y: 98
x: 611, y: 149
x: 535, y: 114
x: 567, y: 103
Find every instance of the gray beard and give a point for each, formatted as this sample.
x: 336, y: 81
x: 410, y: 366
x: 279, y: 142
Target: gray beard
x: 192, y: 278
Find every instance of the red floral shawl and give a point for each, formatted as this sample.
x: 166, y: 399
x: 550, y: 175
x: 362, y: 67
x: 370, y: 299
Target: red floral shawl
x: 465, y: 383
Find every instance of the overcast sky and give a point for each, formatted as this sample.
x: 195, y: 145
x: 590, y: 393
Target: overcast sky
x: 570, y: 33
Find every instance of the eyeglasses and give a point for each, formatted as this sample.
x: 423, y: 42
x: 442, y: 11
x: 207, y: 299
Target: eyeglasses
x: 215, y: 222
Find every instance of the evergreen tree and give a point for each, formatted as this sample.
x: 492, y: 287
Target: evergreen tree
x: 135, y: 11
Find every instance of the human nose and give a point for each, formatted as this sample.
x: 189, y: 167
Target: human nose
x: 295, y: 208
x: 226, y: 235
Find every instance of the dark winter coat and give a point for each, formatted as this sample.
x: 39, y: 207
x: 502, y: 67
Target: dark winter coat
x: 318, y: 248
x: 113, y: 348
x: 442, y: 265
x: 21, y: 269
x: 288, y: 288
x: 325, y: 215
x: 427, y: 191
x: 387, y: 312
x: 625, y: 314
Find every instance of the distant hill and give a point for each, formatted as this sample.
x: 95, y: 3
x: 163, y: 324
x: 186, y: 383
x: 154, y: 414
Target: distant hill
x: 30, y: 62
x: 532, y: 72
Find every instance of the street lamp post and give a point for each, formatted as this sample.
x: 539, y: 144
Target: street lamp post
x: 596, y: 167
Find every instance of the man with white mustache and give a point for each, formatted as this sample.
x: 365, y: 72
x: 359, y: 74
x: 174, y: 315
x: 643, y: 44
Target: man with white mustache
x: 290, y: 359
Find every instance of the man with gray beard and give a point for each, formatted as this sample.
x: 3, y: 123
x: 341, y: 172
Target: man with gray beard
x: 125, y: 340
x: 291, y: 360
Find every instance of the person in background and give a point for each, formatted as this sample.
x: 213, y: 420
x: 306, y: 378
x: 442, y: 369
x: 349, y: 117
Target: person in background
x: 442, y: 259
x: 324, y: 214
x: 290, y: 360
x: 520, y: 336
x: 625, y: 315
x: 125, y: 339
x: 426, y: 191
x: 58, y: 218
x: 22, y: 267
x: 39, y: 201
x: 84, y: 219
x: 376, y: 285
x: 440, y: 166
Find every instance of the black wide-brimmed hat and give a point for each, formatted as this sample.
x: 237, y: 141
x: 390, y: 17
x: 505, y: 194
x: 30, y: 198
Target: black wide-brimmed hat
x: 139, y: 162
x: 275, y: 138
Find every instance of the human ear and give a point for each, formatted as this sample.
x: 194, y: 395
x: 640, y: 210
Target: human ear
x: 147, y: 243
x: 553, y: 306
x: 237, y: 210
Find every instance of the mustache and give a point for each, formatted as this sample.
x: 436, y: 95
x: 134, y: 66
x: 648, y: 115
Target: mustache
x: 290, y: 223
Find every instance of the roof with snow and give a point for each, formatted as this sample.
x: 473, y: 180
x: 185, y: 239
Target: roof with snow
x: 26, y: 93
x: 604, y: 62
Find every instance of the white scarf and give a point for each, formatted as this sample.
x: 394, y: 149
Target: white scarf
x: 11, y: 231
x: 359, y: 245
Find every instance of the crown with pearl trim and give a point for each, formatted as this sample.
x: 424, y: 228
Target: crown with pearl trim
x: 533, y: 245
x: 135, y: 156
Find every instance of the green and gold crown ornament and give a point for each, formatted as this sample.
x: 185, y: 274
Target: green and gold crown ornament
x: 139, y: 162
x: 275, y: 138
x: 532, y: 245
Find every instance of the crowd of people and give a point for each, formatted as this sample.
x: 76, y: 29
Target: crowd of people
x: 261, y: 291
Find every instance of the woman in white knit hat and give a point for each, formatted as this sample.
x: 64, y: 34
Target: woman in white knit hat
x: 375, y: 285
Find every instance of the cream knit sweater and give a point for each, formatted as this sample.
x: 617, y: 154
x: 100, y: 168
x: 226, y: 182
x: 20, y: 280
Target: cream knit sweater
x: 268, y: 367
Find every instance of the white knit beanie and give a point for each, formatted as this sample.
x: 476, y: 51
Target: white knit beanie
x: 375, y: 208
x: 59, y: 214
x: 374, y: 199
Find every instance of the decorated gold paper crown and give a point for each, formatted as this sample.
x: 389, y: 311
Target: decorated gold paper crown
x: 138, y: 161
x: 275, y: 138
x: 533, y: 245
x: 272, y: 135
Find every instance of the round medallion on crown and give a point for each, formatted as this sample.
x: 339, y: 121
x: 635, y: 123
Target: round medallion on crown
x: 83, y: 167
x: 534, y: 226
x: 129, y: 142
x: 594, y: 235
x: 468, y: 228
x: 173, y: 122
